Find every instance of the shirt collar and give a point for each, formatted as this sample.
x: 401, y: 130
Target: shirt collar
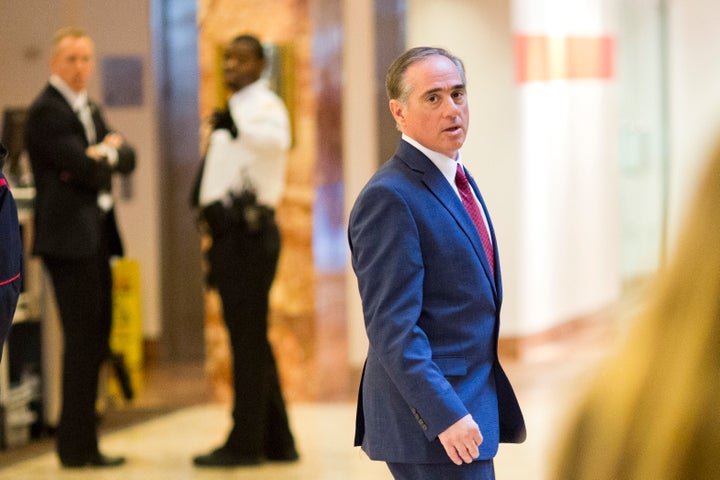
x: 77, y: 100
x: 445, y: 164
x: 260, y: 83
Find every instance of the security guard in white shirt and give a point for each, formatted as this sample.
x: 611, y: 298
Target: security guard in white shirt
x: 240, y: 184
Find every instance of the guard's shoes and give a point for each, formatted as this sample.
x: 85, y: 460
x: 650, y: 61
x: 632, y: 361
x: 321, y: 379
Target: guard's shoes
x: 289, y: 455
x: 96, y: 461
x: 224, y: 457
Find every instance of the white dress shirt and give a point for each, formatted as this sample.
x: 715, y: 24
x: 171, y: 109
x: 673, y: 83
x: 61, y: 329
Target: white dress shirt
x: 80, y: 105
x: 258, y: 155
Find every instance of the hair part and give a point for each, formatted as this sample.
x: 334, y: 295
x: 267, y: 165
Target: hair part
x: 395, y: 86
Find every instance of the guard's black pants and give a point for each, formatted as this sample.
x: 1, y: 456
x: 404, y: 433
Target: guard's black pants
x: 242, y: 266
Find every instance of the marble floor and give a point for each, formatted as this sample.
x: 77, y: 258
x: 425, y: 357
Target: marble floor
x: 161, y: 447
x: 175, y: 417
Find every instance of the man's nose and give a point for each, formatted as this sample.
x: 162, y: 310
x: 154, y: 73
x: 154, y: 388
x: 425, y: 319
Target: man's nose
x: 230, y: 62
x: 450, y: 107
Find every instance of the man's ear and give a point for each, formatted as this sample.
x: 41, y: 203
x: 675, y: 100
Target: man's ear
x: 398, y: 112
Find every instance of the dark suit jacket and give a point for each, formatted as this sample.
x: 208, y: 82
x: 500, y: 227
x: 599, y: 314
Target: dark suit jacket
x: 431, y: 311
x: 67, y: 181
x: 11, y: 255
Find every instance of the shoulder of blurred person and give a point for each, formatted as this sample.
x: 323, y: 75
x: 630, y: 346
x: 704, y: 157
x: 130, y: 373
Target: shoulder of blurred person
x: 651, y: 411
x: 11, y: 254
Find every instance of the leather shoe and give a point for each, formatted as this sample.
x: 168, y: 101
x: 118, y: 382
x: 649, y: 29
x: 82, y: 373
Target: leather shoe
x: 289, y: 455
x: 96, y: 461
x: 224, y: 457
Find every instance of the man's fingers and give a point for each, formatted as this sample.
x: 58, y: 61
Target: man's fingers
x: 453, y: 454
x: 462, y: 454
x: 466, y: 454
x: 461, y: 440
x: 474, y: 451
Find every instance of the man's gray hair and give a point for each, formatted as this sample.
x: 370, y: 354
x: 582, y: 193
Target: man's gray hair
x: 395, y: 80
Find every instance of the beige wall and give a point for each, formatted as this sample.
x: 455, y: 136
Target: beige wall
x: 694, y: 48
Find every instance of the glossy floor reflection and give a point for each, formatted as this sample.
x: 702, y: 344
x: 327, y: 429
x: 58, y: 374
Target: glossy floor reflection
x: 546, y: 381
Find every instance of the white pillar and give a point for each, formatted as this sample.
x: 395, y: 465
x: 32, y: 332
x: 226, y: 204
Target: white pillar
x: 359, y: 141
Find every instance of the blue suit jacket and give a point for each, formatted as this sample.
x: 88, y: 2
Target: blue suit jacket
x: 11, y: 255
x: 431, y: 310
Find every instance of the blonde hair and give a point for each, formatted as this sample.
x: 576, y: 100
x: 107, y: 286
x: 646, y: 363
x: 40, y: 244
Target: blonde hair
x: 652, y: 412
x: 66, y: 32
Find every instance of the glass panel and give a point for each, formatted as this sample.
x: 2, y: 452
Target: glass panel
x: 642, y: 149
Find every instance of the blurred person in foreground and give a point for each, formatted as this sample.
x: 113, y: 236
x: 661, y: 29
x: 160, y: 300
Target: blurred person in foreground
x: 11, y: 255
x: 652, y: 410
x: 434, y: 401
x: 74, y: 156
x: 238, y: 188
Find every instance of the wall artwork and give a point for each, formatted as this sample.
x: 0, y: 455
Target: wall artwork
x: 122, y: 81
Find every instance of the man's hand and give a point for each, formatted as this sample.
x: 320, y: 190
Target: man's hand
x: 113, y: 139
x: 461, y: 440
x: 107, y: 149
x: 96, y: 152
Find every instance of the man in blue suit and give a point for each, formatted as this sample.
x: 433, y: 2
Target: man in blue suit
x: 434, y: 401
x: 11, y: 255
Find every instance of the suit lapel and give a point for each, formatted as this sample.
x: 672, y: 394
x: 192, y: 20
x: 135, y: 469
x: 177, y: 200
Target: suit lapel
x: 77, y: 124
x: 438, y: 185
x: 97, y: 121
x: 496, y: 283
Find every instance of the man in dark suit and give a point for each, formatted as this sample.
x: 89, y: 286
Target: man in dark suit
x: 434, y: 401
x: 74, y: 155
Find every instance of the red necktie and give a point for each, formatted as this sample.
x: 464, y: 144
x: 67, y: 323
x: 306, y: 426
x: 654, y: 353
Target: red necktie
x: 473, y: 209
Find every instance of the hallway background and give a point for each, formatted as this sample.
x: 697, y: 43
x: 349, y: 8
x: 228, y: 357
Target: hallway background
x: 589, y: 124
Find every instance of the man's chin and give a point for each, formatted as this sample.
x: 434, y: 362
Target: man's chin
x: 454, y: 142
